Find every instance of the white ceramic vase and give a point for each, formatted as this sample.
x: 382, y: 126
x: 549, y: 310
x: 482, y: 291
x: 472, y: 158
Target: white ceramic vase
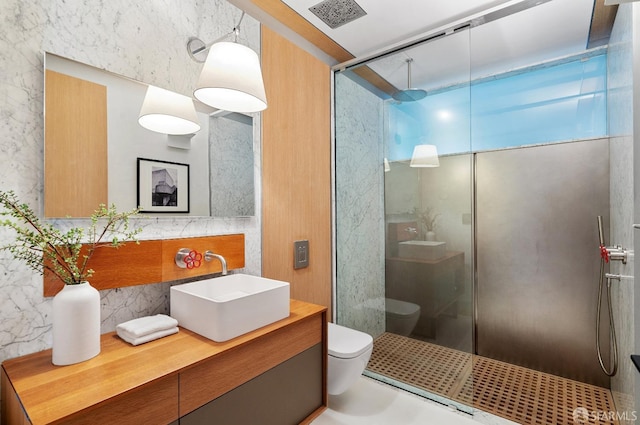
x: 76, y: 324
x: 430, y: 236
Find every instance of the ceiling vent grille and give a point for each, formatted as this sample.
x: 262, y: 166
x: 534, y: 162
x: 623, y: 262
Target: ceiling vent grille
x: 336, y: 13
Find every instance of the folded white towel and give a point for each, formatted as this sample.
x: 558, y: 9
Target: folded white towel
x: 147, y: 325
x: 148, y: 337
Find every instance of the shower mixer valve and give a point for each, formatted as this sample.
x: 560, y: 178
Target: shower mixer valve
x: 613, y: 253
x: 610, y: 253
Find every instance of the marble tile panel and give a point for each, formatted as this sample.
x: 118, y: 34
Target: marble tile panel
x: 620, y: 116
x: 359, y: 208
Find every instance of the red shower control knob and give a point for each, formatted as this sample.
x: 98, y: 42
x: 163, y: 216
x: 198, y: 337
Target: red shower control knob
x: 193, y: 260
x: 604, y: 254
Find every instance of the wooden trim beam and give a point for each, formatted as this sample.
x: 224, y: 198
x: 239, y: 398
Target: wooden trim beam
x: 291, y: 19
x: 602, y: 21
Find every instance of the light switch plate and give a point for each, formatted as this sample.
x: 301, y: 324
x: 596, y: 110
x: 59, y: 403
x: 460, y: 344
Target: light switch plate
x: 300, y: 254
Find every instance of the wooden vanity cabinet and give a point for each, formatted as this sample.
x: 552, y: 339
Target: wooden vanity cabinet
x: 435, y: 285
x: 274, y: 375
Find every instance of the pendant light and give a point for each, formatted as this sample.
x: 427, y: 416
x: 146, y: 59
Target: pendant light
x: 425, y: 156
x: 167, y: 112
x: 231, y: 78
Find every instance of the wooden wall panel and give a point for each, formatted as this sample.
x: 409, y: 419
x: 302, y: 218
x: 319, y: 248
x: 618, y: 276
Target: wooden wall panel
x: 153, y: 261
x: 231, y: 247
x: 296, y: 167
x: 75, y: 146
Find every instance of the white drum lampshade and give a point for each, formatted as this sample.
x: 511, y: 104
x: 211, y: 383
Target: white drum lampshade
x: 425, y: 156
x: 164, y: 111
x: 231, y: 79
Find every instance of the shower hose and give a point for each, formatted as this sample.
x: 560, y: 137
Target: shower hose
x: 612, y: 327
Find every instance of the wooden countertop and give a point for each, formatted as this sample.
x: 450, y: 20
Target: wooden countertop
x: 49, y: 392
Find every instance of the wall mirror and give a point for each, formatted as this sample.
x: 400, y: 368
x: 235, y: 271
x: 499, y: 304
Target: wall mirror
x: 93, y: 147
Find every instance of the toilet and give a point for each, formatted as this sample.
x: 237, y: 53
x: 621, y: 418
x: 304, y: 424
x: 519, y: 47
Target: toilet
x: 401, y: 316
x: 349, y: 353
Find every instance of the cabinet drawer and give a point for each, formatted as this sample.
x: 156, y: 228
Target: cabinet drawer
x: 220, y: 374
x: 155, y: 402
x: 283, y: 395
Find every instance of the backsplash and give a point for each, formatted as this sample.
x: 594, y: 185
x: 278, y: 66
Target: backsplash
x: 145, y: 42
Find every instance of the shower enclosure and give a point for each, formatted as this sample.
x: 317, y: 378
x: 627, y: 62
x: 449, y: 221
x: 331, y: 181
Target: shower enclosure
x: 495, y: 240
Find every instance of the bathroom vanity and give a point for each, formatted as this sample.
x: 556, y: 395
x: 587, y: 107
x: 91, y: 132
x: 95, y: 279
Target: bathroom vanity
x: 273, y: 375
x: 435, y: 285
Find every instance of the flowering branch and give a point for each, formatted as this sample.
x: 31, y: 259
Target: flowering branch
x: 43, y: 247
x: 427, y: 218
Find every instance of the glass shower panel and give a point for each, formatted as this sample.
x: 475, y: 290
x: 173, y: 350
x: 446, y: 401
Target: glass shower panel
x: 404, y: 233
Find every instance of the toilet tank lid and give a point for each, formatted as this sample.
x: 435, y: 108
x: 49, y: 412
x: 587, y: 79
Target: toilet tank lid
x: 400, y: 308
x: 347, y: 343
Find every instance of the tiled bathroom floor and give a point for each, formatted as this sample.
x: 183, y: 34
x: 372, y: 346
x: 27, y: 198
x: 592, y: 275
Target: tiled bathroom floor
x: 522, y: 395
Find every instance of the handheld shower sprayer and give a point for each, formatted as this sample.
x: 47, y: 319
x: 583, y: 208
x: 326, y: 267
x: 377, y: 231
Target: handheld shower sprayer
x: 606, y: 254
x: 600, y: 231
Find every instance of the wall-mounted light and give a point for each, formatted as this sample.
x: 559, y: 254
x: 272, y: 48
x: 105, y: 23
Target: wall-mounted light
x: 164, y: 111
x: 425, y: 156
x: 231, y: 78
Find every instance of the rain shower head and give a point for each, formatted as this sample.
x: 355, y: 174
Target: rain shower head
x: 409, y: 95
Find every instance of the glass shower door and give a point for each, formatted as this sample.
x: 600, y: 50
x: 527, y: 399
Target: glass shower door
x: 403, y: 173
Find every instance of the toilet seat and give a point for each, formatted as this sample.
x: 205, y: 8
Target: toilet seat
x: 345, y: 343
x: 400, y: 308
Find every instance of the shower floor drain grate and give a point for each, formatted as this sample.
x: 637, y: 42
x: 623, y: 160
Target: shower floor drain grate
x: 513, y: 392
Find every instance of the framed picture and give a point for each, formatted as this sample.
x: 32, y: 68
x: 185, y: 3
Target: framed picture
x: 163, y: 187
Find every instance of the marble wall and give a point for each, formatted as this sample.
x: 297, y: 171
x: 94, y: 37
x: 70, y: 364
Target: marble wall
x: 231, y: 156
x: 359, y: 208
x: 620, y: 118
x: 144, y: 41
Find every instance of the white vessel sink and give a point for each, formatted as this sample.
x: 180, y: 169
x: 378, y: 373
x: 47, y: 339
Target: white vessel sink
x: 225, y: 307
x: 424, y: 250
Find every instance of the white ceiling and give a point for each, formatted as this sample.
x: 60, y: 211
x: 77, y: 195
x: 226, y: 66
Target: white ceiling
x: 391, y: 21
x: 544, y: 30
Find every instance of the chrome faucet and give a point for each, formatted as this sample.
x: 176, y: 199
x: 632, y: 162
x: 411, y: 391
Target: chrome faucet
x: 210, y: 255
x: 412, y: 231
